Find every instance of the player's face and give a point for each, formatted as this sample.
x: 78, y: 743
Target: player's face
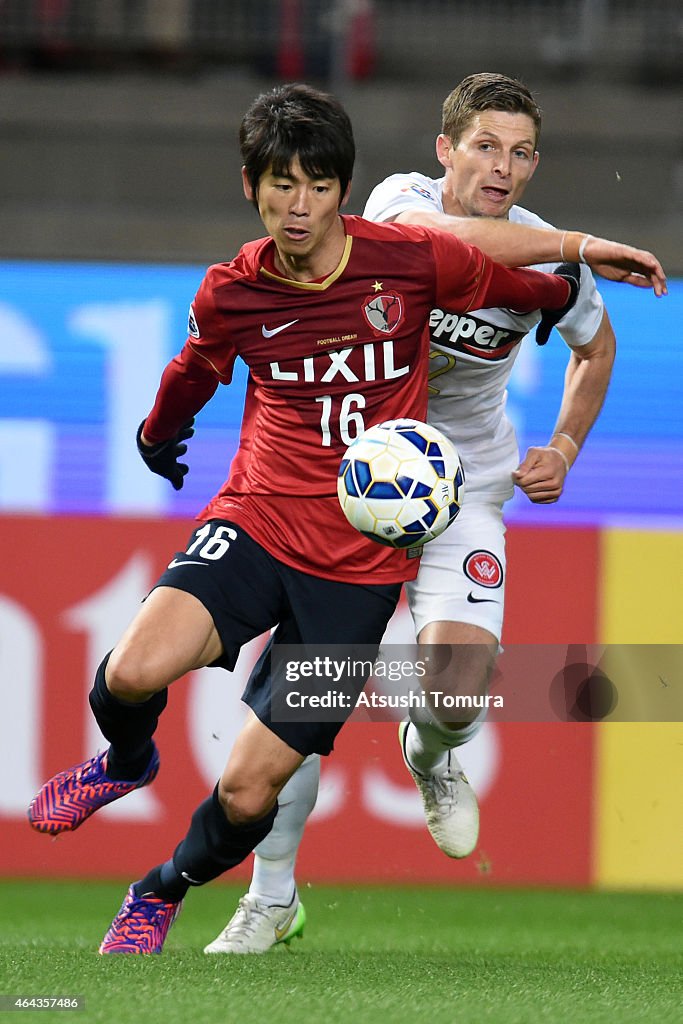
x: 301, y: 214
x: 488, y: 168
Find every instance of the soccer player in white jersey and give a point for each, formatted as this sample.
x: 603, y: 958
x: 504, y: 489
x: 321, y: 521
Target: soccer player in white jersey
x: 488, y: 148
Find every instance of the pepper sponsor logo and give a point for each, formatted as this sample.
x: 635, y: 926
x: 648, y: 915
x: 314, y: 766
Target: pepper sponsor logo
x: 469, y: 334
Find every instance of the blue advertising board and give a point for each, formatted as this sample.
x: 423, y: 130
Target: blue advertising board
x: 82, y: 347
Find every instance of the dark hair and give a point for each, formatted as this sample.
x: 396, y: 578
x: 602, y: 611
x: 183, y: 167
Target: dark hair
x: 297, y: 121
x: 486, y: 91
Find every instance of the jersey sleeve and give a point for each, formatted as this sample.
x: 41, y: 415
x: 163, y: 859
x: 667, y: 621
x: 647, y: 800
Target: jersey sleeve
x: 208, y: 330
x: 581, y: 323
x: 400, y: 192
x: 191, y: 378
x: 466, y: 280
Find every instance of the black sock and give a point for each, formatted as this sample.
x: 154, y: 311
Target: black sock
x: 129, y: 727
x: 212, y: 845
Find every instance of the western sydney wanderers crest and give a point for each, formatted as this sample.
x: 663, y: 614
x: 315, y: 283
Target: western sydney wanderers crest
x: 483, y: 568
x: 384, y: 311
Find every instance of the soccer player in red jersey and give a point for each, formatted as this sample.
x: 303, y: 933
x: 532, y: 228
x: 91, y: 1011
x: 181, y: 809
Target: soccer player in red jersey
x: 329, y: 314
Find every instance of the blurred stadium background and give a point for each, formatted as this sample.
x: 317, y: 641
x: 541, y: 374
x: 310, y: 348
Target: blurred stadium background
x: 119, y: 183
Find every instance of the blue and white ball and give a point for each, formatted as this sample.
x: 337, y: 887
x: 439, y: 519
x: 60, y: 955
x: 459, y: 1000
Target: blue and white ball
x: 401, y: 483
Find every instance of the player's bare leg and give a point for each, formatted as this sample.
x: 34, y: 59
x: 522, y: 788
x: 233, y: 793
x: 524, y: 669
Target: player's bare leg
x: 428, y: 739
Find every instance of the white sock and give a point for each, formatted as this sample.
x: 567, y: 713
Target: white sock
x: 426, y: 750
x: 272, y: 878
x: 428, y: 740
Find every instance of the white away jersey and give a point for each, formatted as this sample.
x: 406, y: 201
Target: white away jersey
x: 472, y: 354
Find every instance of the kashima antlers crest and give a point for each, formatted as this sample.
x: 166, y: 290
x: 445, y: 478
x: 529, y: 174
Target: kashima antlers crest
x: 384, y: 311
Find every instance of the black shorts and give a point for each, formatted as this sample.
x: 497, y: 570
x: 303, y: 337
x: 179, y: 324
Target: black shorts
x: 248, y: 592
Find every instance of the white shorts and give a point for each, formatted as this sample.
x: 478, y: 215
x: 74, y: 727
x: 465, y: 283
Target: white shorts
x: 462, y: 572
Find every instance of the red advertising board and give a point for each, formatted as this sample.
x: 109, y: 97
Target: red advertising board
x: 68, y: 588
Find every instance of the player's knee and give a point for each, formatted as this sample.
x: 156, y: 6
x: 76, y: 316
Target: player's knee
x: 130, y: 678
x: 245, y: 804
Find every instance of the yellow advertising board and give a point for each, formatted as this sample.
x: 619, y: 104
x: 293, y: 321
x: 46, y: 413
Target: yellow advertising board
x: 639, y: 786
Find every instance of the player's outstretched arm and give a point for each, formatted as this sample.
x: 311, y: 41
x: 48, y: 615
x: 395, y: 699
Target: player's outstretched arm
x: 518, y: 245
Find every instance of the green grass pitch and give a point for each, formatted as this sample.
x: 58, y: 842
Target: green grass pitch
x: 395, y: 955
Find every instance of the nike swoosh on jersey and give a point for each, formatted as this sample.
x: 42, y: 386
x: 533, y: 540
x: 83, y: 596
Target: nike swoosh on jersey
x: 282, y: 930
x: 481, y: 600
x: 188, y: 561
x: 276, y: 330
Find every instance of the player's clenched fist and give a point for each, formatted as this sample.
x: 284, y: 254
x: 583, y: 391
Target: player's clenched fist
x: 541, y: 474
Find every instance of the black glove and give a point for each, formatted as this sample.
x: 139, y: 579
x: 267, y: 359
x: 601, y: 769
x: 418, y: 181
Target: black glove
x: 571, y: 272
x: 163, y: 458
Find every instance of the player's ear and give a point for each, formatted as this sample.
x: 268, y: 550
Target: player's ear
x: 534, y: 164
x: 246, y: 187
x: 443, y: 150
x: 345, y: 198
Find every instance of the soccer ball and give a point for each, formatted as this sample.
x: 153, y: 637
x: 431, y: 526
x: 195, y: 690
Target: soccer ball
x: 401, y: 483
